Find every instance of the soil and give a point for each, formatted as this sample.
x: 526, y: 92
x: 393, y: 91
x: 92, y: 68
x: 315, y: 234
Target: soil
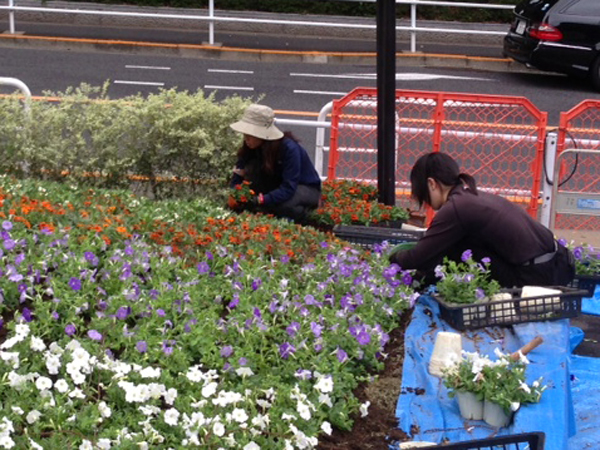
x: 379, y: 429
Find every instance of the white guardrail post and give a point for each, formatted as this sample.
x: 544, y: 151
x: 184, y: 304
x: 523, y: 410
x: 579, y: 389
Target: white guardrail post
x: 548, y: 174
x: 19, y: 85
x: 211, y: 23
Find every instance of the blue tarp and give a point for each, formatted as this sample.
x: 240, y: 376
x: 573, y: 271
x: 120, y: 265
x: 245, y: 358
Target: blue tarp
x: 425, y: 411
x: 591, y: 305
x: 585, y: 385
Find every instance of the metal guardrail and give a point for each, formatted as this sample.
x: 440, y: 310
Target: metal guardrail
x: 212, y: 18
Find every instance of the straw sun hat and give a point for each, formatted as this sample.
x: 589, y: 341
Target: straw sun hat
x: 258, y: 121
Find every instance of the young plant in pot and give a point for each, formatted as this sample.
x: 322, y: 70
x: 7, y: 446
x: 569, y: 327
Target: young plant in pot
x: 499, y: 385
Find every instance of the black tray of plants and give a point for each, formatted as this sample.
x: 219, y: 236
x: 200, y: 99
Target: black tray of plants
x: 513, y: 309
x: 367, y: 236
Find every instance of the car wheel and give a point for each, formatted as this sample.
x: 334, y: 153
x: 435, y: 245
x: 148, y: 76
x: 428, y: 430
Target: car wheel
x: 595, y: 74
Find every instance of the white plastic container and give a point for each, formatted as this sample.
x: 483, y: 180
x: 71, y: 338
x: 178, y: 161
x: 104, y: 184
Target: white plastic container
x: 446, y: 350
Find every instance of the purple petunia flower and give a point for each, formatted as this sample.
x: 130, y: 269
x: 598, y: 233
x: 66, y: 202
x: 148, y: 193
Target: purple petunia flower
x: 91, y: 258
x: 243, y: 361
x: 578, y: 253
x: 316, y: 329
x: 467, y: 255
x: 256, y: 283
x: 19, y: 258
x: 167, y: 348
x: 286, y: 350
x: 75, y: 283
x: 9, y: 244
x: 203, y: 267
x: 303, y: 374
x: 70, y: 329
x: 227, y: 351
x: 342, y: 356
x: 479, y: 293
x: 123, y: 312
x: 27, y: 315
x: 55, y: 315
x: 292, y: 329
x: 161, y: 312
x: 234, y: 302
x: 7, y: 225
x: 94, y: 335
x: 407, y: 278
x: 363, y: 337
x: 141, y: 346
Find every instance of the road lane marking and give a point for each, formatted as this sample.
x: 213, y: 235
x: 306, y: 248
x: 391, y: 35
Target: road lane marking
x: 147, y: 67
x: 299, y: 91
x: 250, y: 72
x: 399, y: 76
x: 141, y: 83
x: 229, y: 88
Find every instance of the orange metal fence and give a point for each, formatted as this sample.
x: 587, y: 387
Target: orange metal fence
x: 497, y: 139
x: 579, y: 172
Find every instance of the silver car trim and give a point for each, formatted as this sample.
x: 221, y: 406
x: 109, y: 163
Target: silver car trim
x: 558, y: 44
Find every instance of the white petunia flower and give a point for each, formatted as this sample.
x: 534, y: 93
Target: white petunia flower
x: 104, y: 410
x: 171, y: 416
x: 77, y: 393
x: 43, y: 383
x: 218, y: 429
x: 37, y: 345
x: 514, y: 406
x: 86, y: 445
x: 61, y: 386
x: 239, y: 415
x: 11, y: 358
x: 170, y: 395
x: 33, y: 416
x: 150, y: 372
x: 244, y: 372
x: 52, y: 363
x: 103, y: 444
x: 326, y: 428
x: 251, y: 446
x: 325, y: 384
x: 17, y: 410
x: 209, y: 389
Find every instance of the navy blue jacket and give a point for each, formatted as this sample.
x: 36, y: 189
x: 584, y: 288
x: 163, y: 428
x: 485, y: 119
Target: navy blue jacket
x: 293, y: 167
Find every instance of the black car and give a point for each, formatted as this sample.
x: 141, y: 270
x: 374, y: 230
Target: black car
x: 557, y: 35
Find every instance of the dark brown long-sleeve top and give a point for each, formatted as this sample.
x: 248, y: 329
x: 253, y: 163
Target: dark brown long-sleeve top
x: 487, y: 224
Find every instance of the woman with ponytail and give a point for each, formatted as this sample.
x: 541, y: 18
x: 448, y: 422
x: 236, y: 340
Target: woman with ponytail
x: 522, y: 251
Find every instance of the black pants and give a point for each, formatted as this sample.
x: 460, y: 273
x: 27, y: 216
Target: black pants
x: 305, y: 199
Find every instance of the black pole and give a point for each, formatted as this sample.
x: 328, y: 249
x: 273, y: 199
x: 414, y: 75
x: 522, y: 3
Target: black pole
x: 386, y: 100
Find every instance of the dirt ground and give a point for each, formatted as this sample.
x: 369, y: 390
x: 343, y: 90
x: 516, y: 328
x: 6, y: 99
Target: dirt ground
x: 379, y: 429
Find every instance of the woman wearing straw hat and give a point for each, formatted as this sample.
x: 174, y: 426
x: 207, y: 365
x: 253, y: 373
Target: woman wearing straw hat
x: 277, y: 166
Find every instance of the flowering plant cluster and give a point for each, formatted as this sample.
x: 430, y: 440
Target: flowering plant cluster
x: 587, y: 258
x: 349, y: 202
x: 136, y: 324
x: 240, y: 196
x: 502, y: 382
x: 467, y: 281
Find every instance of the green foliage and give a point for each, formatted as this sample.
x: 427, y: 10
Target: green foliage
x: 106, y: 143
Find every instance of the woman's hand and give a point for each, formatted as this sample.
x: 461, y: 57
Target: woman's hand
x: 238, y: 171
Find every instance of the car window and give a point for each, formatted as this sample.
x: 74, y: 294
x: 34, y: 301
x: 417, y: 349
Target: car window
x: 583, y: 8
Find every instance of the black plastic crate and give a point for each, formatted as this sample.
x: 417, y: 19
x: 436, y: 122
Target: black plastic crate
x: 513, y: 310
x: 368, y: 236
x: 524, y: 441
x: 587, y: 283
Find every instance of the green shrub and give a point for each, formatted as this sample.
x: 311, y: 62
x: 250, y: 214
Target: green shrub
x: 103, y: 143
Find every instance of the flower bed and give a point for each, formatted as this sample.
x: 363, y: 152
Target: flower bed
x: 348, y: 202
x: 128, y: 323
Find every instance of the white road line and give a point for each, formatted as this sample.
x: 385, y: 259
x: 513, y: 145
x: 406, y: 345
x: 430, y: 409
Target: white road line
x: 230, y: 71
x: 147, y: 67
x: 399, y: 76
x: 229, y: 88
x: 299, y: 91
x: 141, y: 83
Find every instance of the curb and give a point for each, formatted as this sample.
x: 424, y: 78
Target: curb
x: 261, y: 55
